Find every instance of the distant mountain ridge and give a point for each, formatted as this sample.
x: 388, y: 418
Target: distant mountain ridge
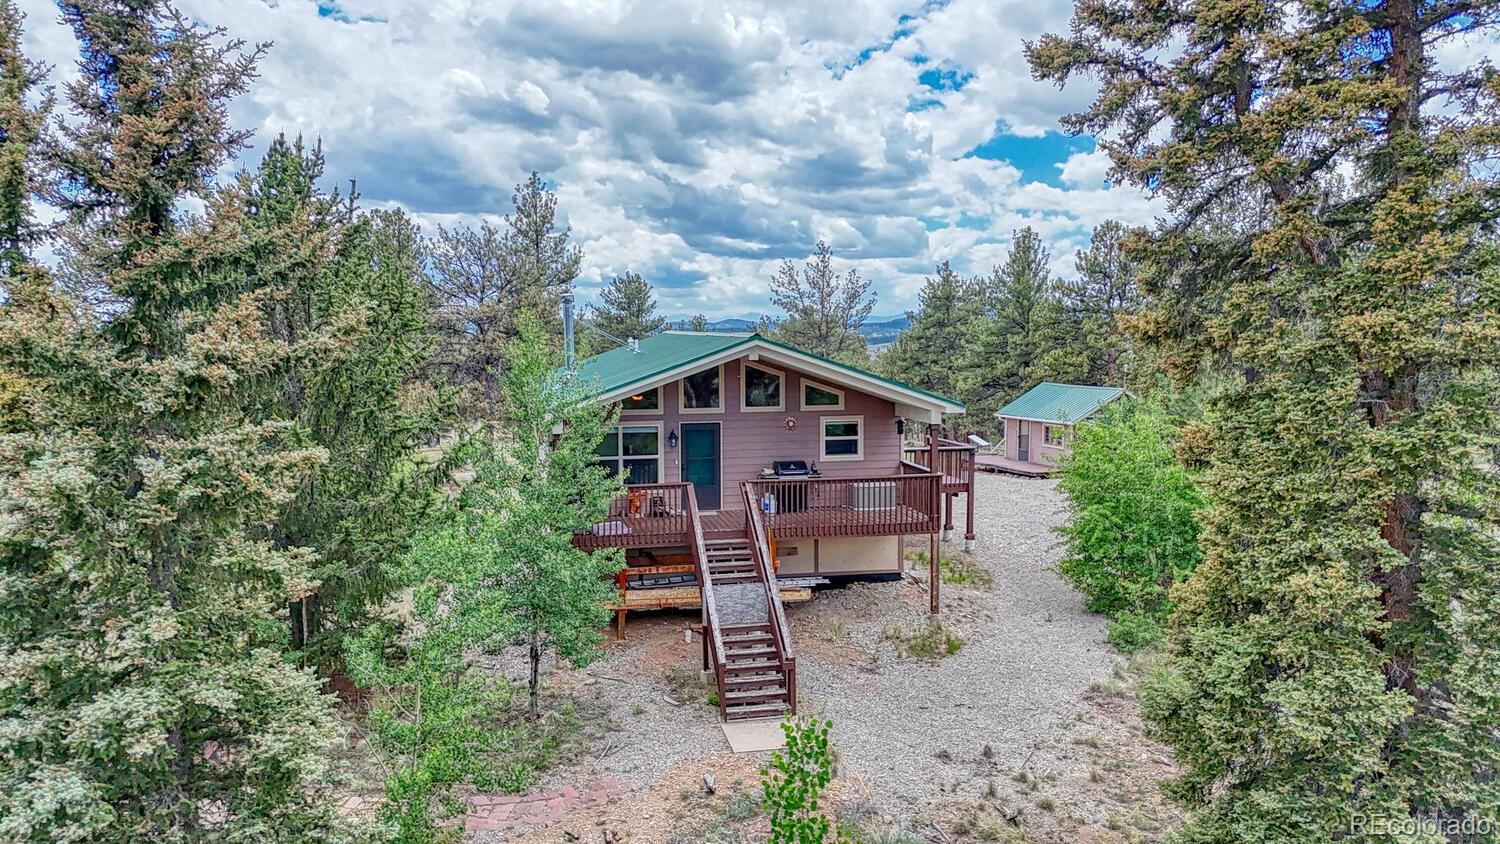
x: 877, y: 331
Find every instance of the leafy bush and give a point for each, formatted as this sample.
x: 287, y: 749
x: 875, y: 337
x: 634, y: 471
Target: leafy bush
x: 794, y: 780
x: 1133, y: 529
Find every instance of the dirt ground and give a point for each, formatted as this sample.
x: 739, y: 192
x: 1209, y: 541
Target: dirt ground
x: 1026, y: 730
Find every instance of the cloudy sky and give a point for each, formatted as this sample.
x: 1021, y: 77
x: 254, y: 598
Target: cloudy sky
x: 698, y: 143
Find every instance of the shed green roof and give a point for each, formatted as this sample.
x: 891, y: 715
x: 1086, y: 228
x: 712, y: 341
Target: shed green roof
x: 1066, y: 403
x: 654, y: 356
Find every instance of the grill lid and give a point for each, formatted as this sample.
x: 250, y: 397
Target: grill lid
x: 785, y: 468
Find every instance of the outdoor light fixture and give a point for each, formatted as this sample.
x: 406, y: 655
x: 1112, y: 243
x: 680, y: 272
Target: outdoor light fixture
x: 672, y: 439
x: 900, y: 427
x: 637, y: 398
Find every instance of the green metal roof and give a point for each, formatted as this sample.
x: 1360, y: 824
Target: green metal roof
x: 621, y: 367
x: 1067, y: 403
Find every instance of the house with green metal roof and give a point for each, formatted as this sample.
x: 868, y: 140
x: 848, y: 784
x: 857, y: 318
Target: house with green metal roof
x: 1039, y: 424
x: 754, y: 470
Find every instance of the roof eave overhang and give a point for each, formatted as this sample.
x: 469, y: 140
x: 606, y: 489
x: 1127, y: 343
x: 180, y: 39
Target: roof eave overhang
x: 909, y: 403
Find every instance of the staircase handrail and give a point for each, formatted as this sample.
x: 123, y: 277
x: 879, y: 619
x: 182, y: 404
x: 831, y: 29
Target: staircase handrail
x: 710, y: 608
x: 777, y: 618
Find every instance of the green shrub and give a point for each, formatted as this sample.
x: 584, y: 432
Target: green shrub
x: 794, y: 780
x: 1133, y: 529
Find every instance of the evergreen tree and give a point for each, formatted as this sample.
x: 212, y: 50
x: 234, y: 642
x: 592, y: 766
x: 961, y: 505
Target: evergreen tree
x: 357, y: 279
x: 1021, y: 337
x: 483, y: 279
x: 944, y: 320
x: 699, y: 322
x: 824, y: 311
x: 1098, y: 301
x: 1333, y: 657
x: 21, y: 125
x: 144, y: 694
x: 628, y: 309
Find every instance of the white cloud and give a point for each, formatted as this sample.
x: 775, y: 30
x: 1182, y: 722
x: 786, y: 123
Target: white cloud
x: 699, y: 142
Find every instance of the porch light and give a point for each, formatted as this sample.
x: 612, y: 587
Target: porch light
x: 672, y: 438
x: 900, y: 427
x: 637, y: 398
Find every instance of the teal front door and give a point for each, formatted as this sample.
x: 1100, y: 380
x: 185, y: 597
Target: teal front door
x: 700, y: 462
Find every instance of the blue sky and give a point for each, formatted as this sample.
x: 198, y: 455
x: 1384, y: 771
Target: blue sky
x: 698, y: 143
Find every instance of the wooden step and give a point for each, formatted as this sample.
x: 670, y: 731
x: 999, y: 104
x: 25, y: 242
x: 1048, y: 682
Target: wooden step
x: 761, y: 678
x: 729, y: 579
x: 745, y: 628
x: 737, y: 638
x: 755, y: 710
x: 777, y: 693
x: 750, y: 666
x: 732, y: 653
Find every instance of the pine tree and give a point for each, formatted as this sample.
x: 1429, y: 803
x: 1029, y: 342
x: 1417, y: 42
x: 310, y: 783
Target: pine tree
x: 699, y: 322
x: 945, y: 318
x: 1021, y: 337
x: 1099, y: 301
x: 327, y: 272
x: 1333, y: 658
x: 627, y: 308
x: 144, y: 694
x: 21, y: 126
x: 824, y: 311
x: 483, y: 280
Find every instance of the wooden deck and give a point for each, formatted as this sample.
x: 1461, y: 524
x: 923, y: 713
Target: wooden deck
x: 1024, y: 468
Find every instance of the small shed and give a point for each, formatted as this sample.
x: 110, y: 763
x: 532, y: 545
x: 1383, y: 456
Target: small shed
x: 1039, y: 425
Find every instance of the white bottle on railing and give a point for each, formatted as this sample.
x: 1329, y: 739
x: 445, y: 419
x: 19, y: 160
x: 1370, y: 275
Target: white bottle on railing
x: 768, y: 504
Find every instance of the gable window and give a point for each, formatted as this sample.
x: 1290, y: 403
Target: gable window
x: 702, y: 392
x: 633, y: 451
x: 762, y: 388
x: 648, y: 401
x: 817, y: 396
x: 1052, y: 434
x: 843, y: 438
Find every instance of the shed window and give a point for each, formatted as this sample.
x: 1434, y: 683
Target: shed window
x: 1053, y: 434
x: 843, y: 438
x: 821, y: 396
x: 762, y: 388
x: 701, y: 391
x: 634, y: 451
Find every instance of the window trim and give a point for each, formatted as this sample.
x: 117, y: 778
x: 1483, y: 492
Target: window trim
x: 745, y: 367
x: 657, y: 412
x: 802, y: 396
x: 859, y: 439
x: 1061, y: 435
x: 620, y: 457
x: 682, y: 407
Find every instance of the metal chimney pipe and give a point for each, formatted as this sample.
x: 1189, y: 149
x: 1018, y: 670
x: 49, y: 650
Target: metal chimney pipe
x: 567, y: 315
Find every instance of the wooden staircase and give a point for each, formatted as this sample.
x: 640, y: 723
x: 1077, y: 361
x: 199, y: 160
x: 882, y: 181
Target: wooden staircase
x: 745, y: 637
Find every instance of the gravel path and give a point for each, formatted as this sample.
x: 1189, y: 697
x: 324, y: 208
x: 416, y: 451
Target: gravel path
x: 907, y: 729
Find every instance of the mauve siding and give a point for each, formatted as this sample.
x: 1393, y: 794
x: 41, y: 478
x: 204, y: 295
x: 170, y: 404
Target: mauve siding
x: 1040, y: 452
x: 749, y: 441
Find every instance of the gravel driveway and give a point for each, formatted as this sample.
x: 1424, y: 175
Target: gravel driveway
x: 907, y: 730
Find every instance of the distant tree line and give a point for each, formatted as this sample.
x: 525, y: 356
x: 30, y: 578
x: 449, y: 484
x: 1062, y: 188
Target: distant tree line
x: 986, y: 340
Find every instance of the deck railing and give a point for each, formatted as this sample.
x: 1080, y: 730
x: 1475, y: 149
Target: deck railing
x: 644, y: 516
x: 781, y: 636
x: 955, y: 462
x: 873, y: 505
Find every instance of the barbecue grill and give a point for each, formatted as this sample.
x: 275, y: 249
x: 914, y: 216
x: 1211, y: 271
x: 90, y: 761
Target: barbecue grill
x: 791, y: 497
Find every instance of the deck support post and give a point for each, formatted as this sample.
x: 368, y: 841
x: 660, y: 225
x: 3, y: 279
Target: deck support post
x: 947, y: 516
x: 934, y: 547
x: 969, y: 511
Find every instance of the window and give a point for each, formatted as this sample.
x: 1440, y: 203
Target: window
x: 842, y: 438
x: 762, y: 388
x: 817, y: 396
x: 644, y: 402
x: 701, y: 391
x: 1053, y: 434
x: 634, y: 451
